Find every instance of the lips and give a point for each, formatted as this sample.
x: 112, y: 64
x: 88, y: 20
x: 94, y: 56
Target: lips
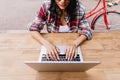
x: 62, y: 5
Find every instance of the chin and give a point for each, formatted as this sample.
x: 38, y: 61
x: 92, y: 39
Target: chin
x: 62, y: 8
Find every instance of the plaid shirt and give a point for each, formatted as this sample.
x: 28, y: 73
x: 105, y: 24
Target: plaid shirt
x: 43, y: 19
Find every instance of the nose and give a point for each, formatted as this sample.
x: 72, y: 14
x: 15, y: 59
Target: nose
x: 62, y: 1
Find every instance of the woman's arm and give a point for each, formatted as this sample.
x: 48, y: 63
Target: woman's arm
x: 79, y: 40
x: 84, y: 31
x: 52, y: 50
x: 38, y: 37
x: 85, y: 34
x: 71, y: 50
x: 35, y: 28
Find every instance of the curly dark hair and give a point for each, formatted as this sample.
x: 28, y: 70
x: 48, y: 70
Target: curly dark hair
x: 56, y: 11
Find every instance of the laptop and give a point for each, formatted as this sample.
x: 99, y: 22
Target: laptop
x: 62, y: 65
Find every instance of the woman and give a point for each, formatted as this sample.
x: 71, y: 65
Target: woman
x: 61, y: 16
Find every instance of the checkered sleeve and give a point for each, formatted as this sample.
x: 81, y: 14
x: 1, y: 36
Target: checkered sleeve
x: 84, y: 25
x: 39, y: 21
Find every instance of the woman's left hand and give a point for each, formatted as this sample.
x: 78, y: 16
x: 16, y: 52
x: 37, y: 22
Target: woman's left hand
x: 71, y: 51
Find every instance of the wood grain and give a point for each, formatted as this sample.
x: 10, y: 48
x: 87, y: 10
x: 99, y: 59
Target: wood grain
x: 15, y: 48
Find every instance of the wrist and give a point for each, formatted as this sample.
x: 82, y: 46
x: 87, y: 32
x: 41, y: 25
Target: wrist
x: 79, y: 40
x: 45, y: 42
x: 75, y: 43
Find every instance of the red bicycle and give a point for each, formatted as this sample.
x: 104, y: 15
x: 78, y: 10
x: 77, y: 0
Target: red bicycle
x: 104, y: 19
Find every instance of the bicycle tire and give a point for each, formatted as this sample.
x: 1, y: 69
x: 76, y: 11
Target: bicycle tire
x: 113, y: 21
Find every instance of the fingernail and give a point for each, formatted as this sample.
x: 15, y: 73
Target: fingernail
x: 68, y: 59
x: 74, y: 56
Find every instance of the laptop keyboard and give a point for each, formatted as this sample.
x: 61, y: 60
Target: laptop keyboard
x: 62, y: 58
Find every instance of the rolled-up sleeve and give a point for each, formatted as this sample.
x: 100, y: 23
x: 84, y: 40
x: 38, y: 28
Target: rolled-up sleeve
x: 85, y: 29
x: 84, y: 25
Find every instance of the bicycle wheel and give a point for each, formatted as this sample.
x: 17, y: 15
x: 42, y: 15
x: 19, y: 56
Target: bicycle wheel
x: 113, y: 21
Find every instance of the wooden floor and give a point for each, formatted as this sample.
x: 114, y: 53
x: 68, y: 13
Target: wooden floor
x: 18, y: 46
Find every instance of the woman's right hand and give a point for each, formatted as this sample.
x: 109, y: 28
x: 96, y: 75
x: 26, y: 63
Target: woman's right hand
x: 52, y: 51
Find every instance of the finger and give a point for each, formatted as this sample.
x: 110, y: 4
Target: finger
x: 57, y: 56
x: 76, y: 52
x: 67, y: 54
x: 50, y: 55
x: 58, y: 50
x: 56, y: 53
x: 53, y: 55
x: 72, y: 52
x: 72, y: 55
x: 47, y: 56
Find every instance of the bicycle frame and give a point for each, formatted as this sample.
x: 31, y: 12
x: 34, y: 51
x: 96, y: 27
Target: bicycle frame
x: 101, y: 10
